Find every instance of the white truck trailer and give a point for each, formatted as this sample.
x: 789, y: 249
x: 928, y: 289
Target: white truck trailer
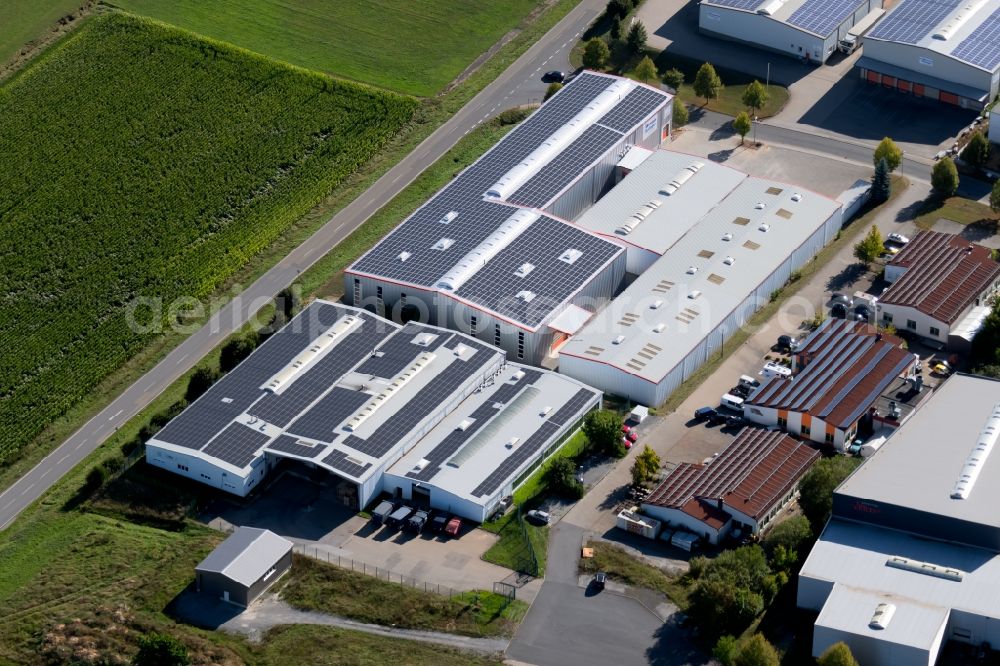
x: 852, y: 40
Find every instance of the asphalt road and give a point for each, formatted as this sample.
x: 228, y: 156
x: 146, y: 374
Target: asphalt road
x: 568, y: 624
x: 518, y: 84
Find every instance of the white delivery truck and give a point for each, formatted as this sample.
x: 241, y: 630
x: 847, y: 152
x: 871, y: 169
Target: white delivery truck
x: 852, y: 40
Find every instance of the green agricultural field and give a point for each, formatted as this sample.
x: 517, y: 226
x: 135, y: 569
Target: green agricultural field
x: 24, y: 21
x: 415, y: 47
x: 142, y: 162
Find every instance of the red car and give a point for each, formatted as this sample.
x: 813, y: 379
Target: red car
x: 626, y: 428
x: 626, y: 443
x: 632, y: 436
x: 453, y: 526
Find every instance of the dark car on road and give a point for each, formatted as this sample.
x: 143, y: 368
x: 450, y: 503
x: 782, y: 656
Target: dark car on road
x: 710, y: 414
x: 555, y: 76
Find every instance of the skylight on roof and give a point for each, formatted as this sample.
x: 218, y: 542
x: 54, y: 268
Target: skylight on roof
x: 524, y: 269
x: 444, y: 244
x: 570, y: 256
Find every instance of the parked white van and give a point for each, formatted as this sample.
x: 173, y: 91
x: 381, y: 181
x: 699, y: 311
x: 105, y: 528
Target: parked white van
x: 748, y: 382
x: 732, y: 402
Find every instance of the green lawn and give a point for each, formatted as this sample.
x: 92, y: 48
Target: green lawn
x: 957, y: 209
x: 415, y: 47
x: 621, y: 566
x: 144, y: 164
x: 318, y: 586
x: 730, y: 101
x: 24, y: 21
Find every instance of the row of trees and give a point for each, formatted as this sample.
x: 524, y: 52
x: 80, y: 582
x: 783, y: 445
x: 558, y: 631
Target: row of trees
x: 757, y: 651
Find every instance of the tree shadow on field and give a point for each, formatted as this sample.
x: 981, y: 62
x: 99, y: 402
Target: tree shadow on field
x: 846, y: 277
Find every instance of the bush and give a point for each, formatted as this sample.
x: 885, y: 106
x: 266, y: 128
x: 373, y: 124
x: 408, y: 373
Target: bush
x: 561, y: 478
x: 234, y: 351
x: 726, y: 649
x: 732, y: 590
x: 794, y: 534
x: 596, y: 53
x: 200, y: 381
x: 674, y: 78
x: 161, y: 650
x: 837, y: 654
x: 96, y: 478
x: 758, y: 652
x: 553, y: 88
x: 513, y: 116
x: 680, y: 113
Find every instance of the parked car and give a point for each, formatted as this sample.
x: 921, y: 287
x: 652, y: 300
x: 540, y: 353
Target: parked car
x: 897, y: 238
x: 538, y: 517
x: 863, y: 311
x: 735, y: 421
x: 741, y: 391
x: 787, y: 343
x: 439, y: 522
x: 417, y: 521
x: 555, y: 76
x: 709, y: 414
x: 453, y: 527
x: 842, y: 298
x: 838, y: 311
x: 381, y: 512
x: 941, y: 368
x: 632, y: 436
x: 600, y: 580
x: 627, y: 444
x: 398, y: 517
x: 626, y: 428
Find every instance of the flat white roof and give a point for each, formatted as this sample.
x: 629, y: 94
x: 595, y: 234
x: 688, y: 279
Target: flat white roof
x: 920, y: 463
x: 493, y: 445
x: 668, y: 310
x: 855, y: 555
x: 676, y: 213
x: 851, y: 609
x: 246, y: 555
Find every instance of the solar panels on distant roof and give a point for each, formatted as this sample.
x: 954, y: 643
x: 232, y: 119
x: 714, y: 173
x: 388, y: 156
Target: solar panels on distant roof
x: 749, y: 5
x: 982, y: 46
x: 632, y: 110
x: 821, y: 17
x: 236, y: 445
x: 912, y: 20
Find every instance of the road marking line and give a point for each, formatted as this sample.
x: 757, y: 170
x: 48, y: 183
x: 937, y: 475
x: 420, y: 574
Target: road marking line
x: 181, y: 359
x: 116, y: 414
x: 25, y: 491
x: 79, y: 445
x: 62, y: 459
x: 7, y: 505
x: 42, y: 476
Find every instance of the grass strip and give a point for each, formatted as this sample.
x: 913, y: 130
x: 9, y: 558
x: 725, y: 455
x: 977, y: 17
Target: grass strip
x: 625, y: 568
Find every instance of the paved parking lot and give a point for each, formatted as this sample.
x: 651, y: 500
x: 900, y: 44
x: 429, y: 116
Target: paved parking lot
x: 305, y: 512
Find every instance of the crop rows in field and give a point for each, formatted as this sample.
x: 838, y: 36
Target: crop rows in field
x: 141, y: 161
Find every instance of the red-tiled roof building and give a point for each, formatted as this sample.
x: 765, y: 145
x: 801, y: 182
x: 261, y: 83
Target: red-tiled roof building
x: 842, y: 369
x: 938, y: 282
x: 743, y: 487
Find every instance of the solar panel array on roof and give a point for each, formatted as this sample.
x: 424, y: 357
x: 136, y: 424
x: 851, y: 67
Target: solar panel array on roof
x: 565, y: 167
x: 413, y: 252
x: 637, y: 105
x: 332, y: 409
x: 573, y: 407
x: 393, y: 355
x: 543, y: 245
x: 912, y: 20
x: 342, y: 462
x: 290, y: 444
x: 982, y: 46
x: 749, y: 5
x: 821, y: 17
x: 236, y: 445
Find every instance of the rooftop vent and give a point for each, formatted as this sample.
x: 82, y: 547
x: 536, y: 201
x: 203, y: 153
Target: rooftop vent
x: 764, y: 226
x: 727, y: 236
x: 449, y: 217
x: 796, y: 197
x: 883, y: 614
x: 926, y: 568
x: 444, y: 244
x: 618, y: 340
x: 545, y: 410
x: 694, y: 294
x: 977, y: 458
x: 729, y: 261
x: 659, y: 327
x: 404, y: 255
x: 524, y: 269
x: 692, y: 270
x: 526, y: 296
x: 760, y: 205
x: 655, y: 305
x: 464, y: 425
x: 570, y: 256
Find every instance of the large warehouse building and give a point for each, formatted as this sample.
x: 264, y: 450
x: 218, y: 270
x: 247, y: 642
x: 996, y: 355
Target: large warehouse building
x: 491, y: 254
x: 734, y: 246
x: 947, y: 50
x: 911, y: 557
x: 807, y: 29
x: 351, y: 393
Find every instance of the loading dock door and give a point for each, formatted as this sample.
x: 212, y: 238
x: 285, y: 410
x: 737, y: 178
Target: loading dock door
x: 421, y: 496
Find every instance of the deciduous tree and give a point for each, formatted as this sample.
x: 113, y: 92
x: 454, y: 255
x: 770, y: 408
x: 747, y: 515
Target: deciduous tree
x: 680, y: 113
x: 237, y: 349
x: 707, y: 83
x: 755, y: 96
x: 561, y: 477
x: 200, y: 381
x: 870, y: 247
x: 944, y: 177
x: 742, y: 125
x: 757, y: 651
x: 890, y: 152
x: 646, y: 466
x: 674, y: 78
x: 596, y: 53
x: 816, y: 489
x: 838, y: 654
x: 995, y: 197
x: 603, y: 429
x: 977, y: 152
x: 646, y: 72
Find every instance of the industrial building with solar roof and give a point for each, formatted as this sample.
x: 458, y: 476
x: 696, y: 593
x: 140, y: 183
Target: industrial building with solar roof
x: 421, y: 412
x: 807, y: 29
x: 948, y: 50
x: 910, y: 558
x: 492, y: 254
x: 717, y: 243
